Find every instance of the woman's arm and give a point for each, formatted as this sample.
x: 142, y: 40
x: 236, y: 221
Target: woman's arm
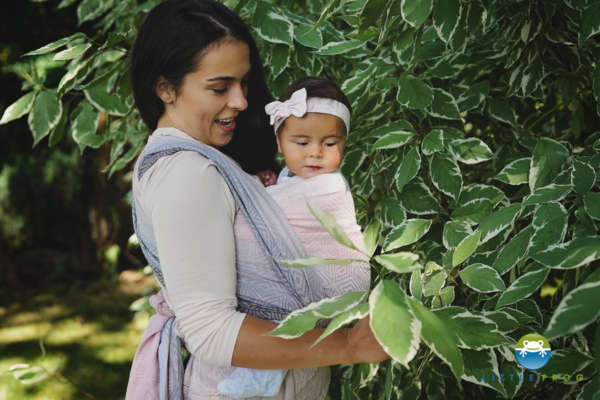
x: 345, y: 346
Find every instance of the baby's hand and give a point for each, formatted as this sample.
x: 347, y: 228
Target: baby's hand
x: 267, y: 177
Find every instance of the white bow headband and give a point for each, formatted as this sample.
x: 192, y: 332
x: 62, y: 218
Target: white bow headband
x: 298, y: 106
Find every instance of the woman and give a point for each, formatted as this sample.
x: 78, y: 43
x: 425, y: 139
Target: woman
x: 197, y: 79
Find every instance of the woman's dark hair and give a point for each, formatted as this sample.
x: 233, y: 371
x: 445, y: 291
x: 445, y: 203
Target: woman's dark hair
x: 316, y: 87
x: 170, y: 43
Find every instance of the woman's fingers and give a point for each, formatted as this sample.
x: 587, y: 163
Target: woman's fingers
x: 267, y: 177
x: 363, y: 345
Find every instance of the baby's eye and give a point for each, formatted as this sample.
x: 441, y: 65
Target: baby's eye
x: 301, y: 143
x: 330, y: 144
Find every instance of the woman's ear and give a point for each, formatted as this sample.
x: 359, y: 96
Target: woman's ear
x: 164, y: 90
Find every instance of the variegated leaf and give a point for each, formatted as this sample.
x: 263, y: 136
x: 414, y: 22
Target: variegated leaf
x: 393, y: 322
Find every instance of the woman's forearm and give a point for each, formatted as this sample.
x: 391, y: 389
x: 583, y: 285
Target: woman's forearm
x: 252, y: 350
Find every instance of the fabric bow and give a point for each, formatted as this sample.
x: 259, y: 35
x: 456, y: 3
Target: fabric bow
x: 295, y: 105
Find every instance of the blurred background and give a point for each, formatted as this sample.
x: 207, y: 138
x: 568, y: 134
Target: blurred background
x: 64, y: 230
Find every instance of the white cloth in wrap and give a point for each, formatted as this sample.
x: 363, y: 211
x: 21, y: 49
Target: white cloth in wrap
x: 328, y: 193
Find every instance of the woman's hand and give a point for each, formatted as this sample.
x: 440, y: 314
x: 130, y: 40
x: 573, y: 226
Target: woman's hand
x: 362, y: 345
x: 267, y: 177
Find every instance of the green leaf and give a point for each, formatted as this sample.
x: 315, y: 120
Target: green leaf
x: 480, y: 364
x: 591, y: 202
x: 271, y: 26
x: 408, y: 167
x: 583, y: 176
x: 91, y: 9
x: 502, y: 111
x: 400, y: 263
x: 393, y: 140
x: 482, y: 278
x: 503, y: 320
x: 465, y: 248
x: 473, y: 97
x: 549, y: 157
x: 390, y: 212
x: 548, y: 193
x: 445, y: 175
x: 579, y: 251
x: 415, y: 12
x: 474, y: 330
x: 433, y: 142
x: 443, y: 105
x: 416, y: 285
x: 85, y: 125
x: 433, y: 281
x: 307, y: 36
x: 352, y: 161
x: 474, y: 211
x: 59, y: 130
x: 357, y: 312
x: 550, y: 224
x: 50, y: 47
x: 280, y: 59
x: 73, y: 76
x: 498, y: 221
x: 590, y: 390
x: 575, y: 311
x: 514, y: 251
x: 335, y: 48
x: 455, y: 232
x: 566, y: 362
x: 516, y: 172
x: 312, y: 261
x: 477, y: 191
x: 19, y: 108
x: 590, y: 22
x: 413, y: 92
x: 408, y: 232
x: 416, y: 198
x: 335, y: 230
x: 445, y: 18
x: 392, y: 322
x: 299, y: 321
x: 470, y: 150
x: 100, y: 96
x: 445, y: 346
x: 524, y: 286
x: 444, y: 299
x: 371, y: 237
x: 44, y: 115
x: 72, y: 52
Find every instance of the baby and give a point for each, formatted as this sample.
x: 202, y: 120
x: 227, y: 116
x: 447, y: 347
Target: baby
x: 311, y: 122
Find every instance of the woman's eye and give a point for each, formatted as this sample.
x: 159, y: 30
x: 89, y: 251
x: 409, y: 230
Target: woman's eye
x: 220, y: 91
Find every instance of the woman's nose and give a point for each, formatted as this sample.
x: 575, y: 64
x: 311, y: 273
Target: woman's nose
x: 238, y: 101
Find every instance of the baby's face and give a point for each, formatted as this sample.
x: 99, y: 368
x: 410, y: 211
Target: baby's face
x: 312, y: 145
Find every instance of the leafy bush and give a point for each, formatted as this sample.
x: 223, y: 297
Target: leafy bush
x: 473, y: 159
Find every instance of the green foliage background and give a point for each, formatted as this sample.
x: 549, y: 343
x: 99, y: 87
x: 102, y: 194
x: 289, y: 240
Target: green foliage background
x: 473, y: 159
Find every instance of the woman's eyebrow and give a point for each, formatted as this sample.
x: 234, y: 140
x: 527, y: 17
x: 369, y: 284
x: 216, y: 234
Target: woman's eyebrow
x: 221, y: 78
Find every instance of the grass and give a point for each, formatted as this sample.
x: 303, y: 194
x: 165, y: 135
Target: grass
x: 82, y: 343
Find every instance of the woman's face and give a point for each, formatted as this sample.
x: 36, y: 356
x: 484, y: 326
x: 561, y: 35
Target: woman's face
x: 212, y: 96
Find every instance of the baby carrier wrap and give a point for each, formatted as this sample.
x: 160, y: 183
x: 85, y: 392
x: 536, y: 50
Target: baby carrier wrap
x: 288, y: 289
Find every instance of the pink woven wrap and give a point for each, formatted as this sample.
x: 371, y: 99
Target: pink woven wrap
x: 143, y: 377
x: 327, y: 193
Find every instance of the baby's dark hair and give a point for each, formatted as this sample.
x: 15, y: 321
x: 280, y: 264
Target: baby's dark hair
x: 316, y: 87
